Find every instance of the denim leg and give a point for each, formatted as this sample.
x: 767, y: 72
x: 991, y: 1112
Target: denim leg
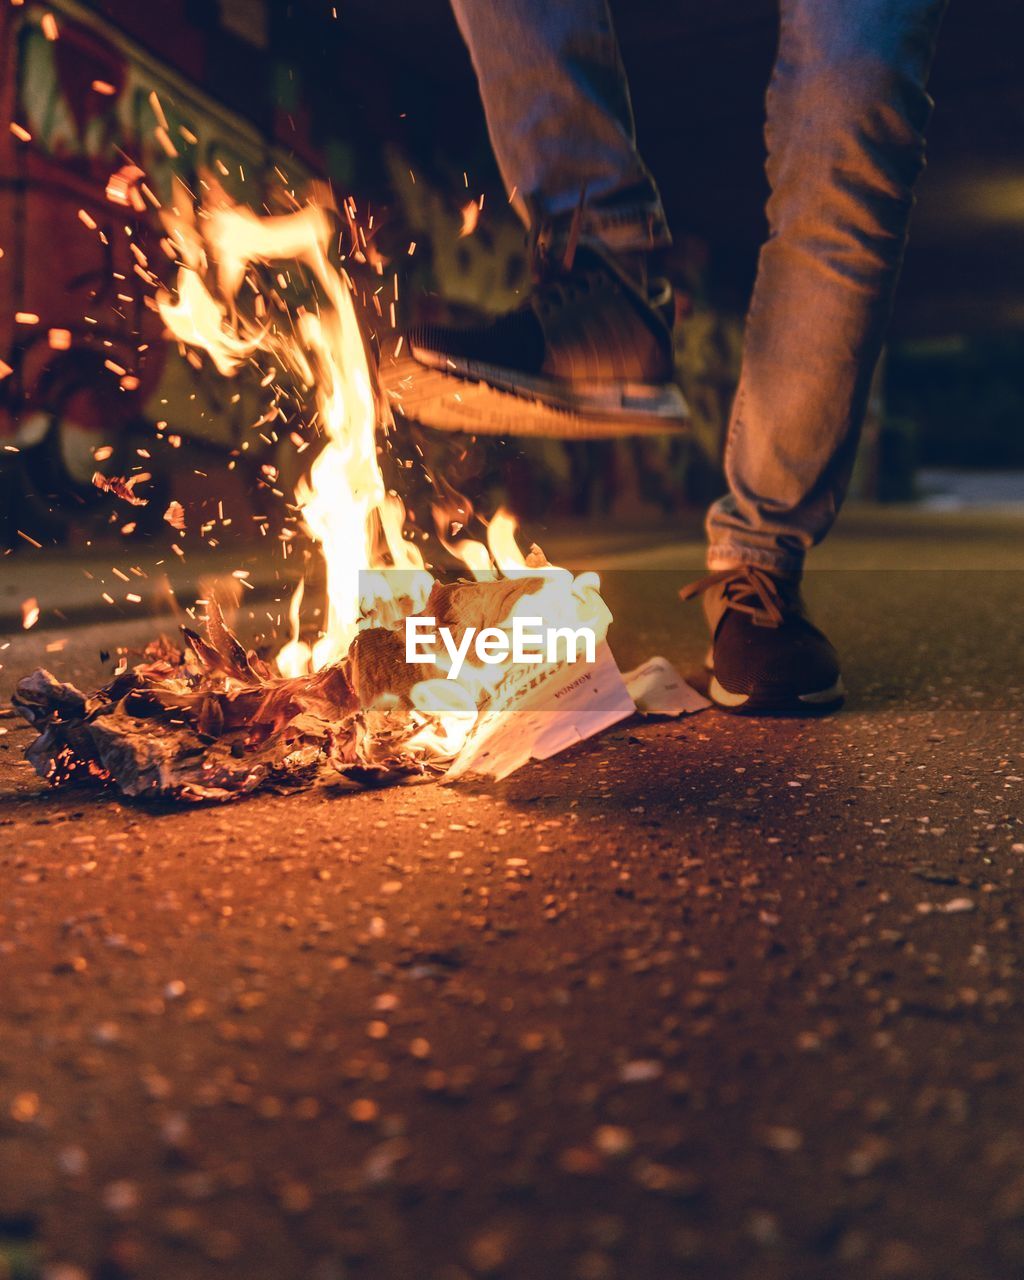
x: 846, y: 116
x: 559, y: 116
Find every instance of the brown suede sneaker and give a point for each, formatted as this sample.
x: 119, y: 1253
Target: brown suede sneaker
x: 589, y: 354
x: 766, y: 658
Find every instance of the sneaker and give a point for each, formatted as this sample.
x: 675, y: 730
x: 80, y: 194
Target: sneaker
x: 766, y: 657
x: 588, y: 355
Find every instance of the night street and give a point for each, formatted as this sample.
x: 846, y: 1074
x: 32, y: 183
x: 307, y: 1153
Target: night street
x: 715, y: 997
x: 398, y: 879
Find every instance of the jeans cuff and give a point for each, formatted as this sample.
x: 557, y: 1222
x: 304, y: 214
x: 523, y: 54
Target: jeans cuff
x: 724, y: 555
x: 627, y: 228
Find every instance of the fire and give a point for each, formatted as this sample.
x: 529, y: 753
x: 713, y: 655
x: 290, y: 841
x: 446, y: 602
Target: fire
x: 375, y: 576
x: 344, y: 502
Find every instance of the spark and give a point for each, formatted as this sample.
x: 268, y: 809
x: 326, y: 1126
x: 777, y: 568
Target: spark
x: 158, y: 110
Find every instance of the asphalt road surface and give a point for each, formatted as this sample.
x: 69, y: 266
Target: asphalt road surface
x: 715, y: 998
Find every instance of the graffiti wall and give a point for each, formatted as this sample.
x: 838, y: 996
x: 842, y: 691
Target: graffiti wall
x: 101, y: 131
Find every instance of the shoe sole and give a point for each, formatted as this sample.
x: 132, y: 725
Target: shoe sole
x: 759, y: 703
x: 463, y: 395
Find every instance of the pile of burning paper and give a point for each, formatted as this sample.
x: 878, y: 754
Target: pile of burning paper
x: 212, y: 719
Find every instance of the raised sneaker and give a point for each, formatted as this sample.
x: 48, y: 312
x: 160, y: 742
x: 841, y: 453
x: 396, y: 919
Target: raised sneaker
x: 587, y: 355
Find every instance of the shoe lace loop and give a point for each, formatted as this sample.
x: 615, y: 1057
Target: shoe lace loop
x: 575, y: 225
x: 746, y: 589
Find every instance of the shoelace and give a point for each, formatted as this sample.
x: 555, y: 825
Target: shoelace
x: 542, y: 263
x: 747, y: 589
x: 574, y: 231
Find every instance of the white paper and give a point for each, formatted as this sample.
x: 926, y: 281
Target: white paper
x: 658, y: 689
x: 542, y: 711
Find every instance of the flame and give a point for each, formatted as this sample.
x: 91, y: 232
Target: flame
x: 375, y: 576
x: 562, y: 600
x: 295, y: 657
x: 344, y: 502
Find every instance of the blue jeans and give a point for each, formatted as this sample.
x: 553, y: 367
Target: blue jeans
x: 846, y: 116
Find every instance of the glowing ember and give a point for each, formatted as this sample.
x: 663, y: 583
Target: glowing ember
x: 123, y: 188
x: 29, y: 612
x: 122, y: 487
x: 470, y: 218
x: 175, y: 515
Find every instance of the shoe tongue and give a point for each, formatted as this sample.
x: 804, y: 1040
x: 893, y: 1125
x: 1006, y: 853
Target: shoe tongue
x: 591, y: 255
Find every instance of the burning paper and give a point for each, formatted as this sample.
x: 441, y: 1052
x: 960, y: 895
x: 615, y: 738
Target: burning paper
x: 212, y: 719
x: 537, y: 717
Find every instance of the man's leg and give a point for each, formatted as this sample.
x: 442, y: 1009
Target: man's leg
x: 589, y: 352
x: 559, y: 117
x: 847, y: 111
